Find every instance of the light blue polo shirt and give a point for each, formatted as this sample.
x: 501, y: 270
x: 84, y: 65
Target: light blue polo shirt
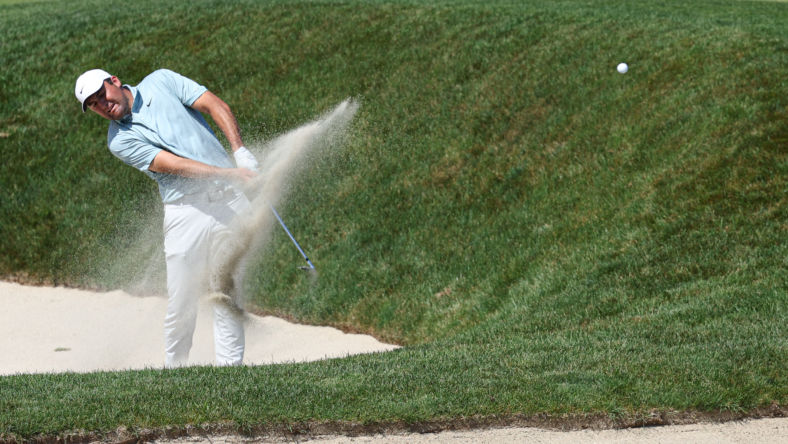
x: 162, y: 119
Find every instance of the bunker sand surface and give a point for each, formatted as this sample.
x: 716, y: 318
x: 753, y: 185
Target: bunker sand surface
x: 55, y: 329
x: 771, y: 430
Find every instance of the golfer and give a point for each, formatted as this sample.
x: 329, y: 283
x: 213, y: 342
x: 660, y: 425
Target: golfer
x: 157, y: 128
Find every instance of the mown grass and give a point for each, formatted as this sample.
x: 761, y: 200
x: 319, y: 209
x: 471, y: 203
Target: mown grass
x: 546, y: 234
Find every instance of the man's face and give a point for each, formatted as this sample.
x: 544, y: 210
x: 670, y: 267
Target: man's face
x: 110, y: 102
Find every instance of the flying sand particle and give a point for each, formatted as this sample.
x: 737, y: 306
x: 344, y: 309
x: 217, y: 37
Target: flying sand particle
x: 282, y: 159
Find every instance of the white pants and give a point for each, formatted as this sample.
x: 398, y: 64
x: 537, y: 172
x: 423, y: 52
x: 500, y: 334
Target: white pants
x: 196, y: 235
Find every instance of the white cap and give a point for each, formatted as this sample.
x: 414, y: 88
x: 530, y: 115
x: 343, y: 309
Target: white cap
x: 88, y: 83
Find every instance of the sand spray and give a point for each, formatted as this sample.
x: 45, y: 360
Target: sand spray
x: 140, y: 266
x: 281, y: 160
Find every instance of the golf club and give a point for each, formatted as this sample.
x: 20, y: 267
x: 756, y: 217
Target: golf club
x: 310, y: 268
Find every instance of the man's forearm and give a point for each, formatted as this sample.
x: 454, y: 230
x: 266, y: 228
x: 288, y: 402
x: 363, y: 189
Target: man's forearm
x: 225, y: 120
x: 221, y: 113
x: 186, y: 168
x: 166, y: 162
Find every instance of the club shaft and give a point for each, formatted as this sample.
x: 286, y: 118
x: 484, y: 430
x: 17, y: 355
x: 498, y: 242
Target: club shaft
x: 291, y: 237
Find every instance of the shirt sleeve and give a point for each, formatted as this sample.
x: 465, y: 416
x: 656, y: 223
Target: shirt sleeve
x: 186, y: 89
x: 131, y: 151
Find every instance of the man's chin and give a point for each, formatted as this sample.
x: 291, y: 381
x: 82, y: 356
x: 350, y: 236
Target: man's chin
x: 116, y: 114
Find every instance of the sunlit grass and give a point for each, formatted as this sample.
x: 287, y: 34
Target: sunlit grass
x: 546, y: 234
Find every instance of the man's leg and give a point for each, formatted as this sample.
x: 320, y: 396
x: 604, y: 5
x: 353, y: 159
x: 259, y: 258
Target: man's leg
x: 228, y: 334
x: 186, y: 242
x: 228, y: 246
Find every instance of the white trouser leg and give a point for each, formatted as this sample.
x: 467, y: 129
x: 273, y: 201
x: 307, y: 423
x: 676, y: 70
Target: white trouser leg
x: 186, y: 245
x: 228, y: 334
x: 228, y: 329
x: 196, y: 237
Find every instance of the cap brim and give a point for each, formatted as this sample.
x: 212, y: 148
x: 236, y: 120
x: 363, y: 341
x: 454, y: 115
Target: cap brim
x: 84, y: 106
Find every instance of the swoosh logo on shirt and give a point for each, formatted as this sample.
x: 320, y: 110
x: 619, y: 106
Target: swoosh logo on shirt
x: 149, y: 101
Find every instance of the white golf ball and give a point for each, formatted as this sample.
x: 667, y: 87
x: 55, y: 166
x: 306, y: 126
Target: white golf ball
x: 622, y: 68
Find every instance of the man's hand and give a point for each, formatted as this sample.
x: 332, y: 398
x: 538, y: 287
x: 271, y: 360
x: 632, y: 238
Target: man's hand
x: 245, y: 159
x: 242, y: 175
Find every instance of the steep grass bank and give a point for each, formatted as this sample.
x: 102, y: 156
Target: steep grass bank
x: 493, y: 142
x: 525, y: 164
x: 557, y: 237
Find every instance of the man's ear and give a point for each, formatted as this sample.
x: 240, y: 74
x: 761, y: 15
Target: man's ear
x: 116, y: 81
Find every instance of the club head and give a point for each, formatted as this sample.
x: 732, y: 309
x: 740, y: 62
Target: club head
x: 312, y: 272
x: 309, y: 269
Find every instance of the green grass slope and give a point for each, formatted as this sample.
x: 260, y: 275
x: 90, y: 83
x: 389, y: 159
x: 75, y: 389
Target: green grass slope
x: 557, y: 237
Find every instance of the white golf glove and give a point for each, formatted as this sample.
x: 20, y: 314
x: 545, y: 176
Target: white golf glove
x: 245, y: 159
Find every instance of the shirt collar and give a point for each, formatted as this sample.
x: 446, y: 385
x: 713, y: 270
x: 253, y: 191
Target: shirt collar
x: 135, y: 108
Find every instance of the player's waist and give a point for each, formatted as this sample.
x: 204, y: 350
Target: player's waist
x: 207, y: 196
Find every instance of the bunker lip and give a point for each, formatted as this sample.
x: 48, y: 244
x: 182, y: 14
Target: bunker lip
x: 313, y: 430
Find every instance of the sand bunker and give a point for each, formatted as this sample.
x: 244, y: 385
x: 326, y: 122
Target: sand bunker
x: 739, y: 432
x: 771, y: 430
x: 45, y: 329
